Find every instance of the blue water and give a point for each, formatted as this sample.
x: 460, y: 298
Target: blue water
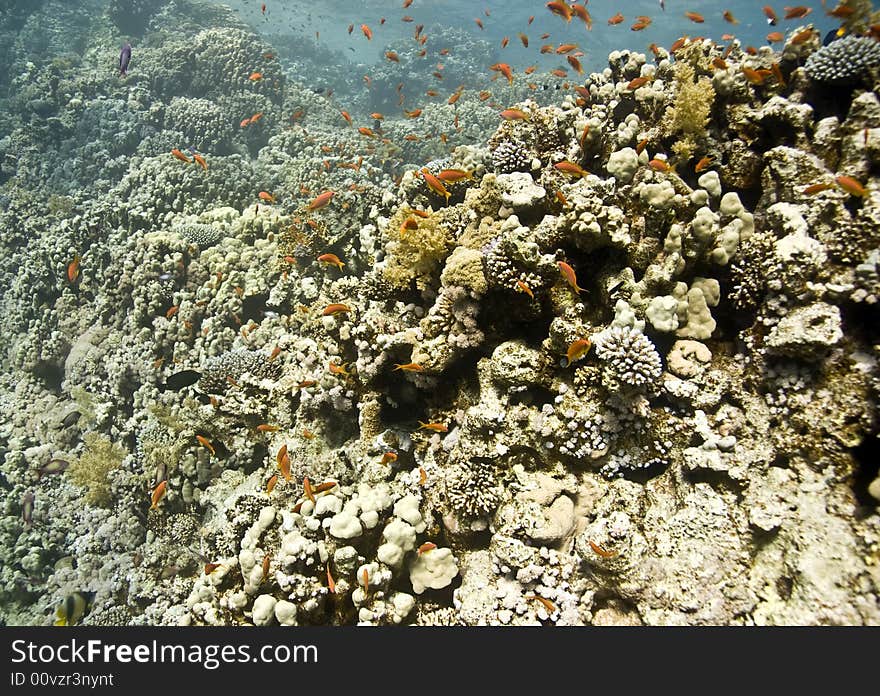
x: 506, y: 19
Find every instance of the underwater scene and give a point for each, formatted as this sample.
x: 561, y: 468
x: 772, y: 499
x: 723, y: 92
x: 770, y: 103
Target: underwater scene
x: 439, y: 312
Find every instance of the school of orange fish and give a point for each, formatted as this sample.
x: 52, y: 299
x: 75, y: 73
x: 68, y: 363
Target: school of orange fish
x: 437, y: 183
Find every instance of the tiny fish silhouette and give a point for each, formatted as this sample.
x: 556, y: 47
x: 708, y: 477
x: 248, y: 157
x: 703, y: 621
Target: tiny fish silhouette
x: 124, y: 59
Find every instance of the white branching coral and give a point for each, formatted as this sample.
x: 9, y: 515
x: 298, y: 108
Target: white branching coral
x: 630, y: 357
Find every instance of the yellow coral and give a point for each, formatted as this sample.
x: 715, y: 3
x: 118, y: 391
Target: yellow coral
x: 92, y: 470
x: 690, y: 113
x: 416, y: 254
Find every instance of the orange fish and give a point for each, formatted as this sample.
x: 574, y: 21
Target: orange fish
x: 728, y: 17
x: 270, y: 485
x: 436, y: 427
x: 409, y: 225
x: 815, y: 188
x: 756, y: 77
x: 802, y: 36
x: 851, y: 186
x: 307, y: 489
x: 267, y: 428
x: 158, y: 493
x: 367, y: 31
x: 73, y: 269
x: 505, y: 41
x: 777, y: 73
x: 575, y: 63
x: 408, y: 367
x: 599, y: 551
x: 435, y: 184
x: 572, y: 168
x: 703, y: 164
x: 565, y: 48
x: 172, y: 311
x: 578, y: 349
x: 479, y: 22
x: 546, y: 603
x: 254, y: 76
x: 638, y: 82
x: 504, y: 69
x: 454, y: 175
x: 321, y: 200
x: 265, y: 196
x: 326, y: 486
x: 182, y: 157
x: 796, y: 12
x: 331, y: 585
x: 331, y: 260
x: 211, y: 567
x: 427, y: 546
x: 561, y: 9
x: 246, y: 122
x: 522, y: 287
x: 337, y: 369
x: 841, y: 11
x: 616, y: 19
x: 365, y: 575
x: 679, y: 43
x: 388, y: 458
x: 200, y: 161
x: 284, y: 465
x: 334, y: 309
x: 695, y: 17
x: 392, y: 56
x: 415, y: 113
x: 582, y: 14
x: 770, y: 14
x: 775, y: 37
x: 423, y: 476
x: 363, y: 130
x: 346, y: 116
x: 569, y: 275
x: 206, y: 443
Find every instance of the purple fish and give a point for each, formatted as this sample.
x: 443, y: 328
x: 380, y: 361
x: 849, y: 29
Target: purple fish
x: 124, y: 59
x: 27, y: 508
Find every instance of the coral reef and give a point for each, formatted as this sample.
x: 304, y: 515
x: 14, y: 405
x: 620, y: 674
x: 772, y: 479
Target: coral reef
x: 610, y: 357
